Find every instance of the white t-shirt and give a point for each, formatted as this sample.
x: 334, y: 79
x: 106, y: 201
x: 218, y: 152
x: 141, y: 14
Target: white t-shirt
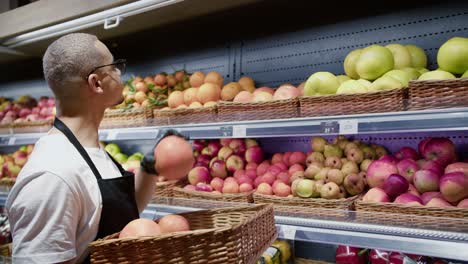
x: 55, y: 205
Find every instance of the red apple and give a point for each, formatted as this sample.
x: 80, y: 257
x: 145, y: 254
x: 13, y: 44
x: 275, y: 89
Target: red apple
x: 463, y: 203
x: 238, y: 145
x: 441, y: 150
x: 239, y: 173
x: 224, y: 153
x: 454, y: 186
x: 234, y: 163
x: 282, y: 166
x: 281, y: 189
x: 251, y: 165
x: 422, y: 144
x: 245, y: 187
x: 225, y: 142
x: 457, y: 166
x: 203, y: 187
x: 408, y: 198
x: 407, y: 168
x: 348, y: 255
x: 190, y: 187
x: 230, y: 187
x: 277, y: 157
x: 395, y: 185
x: 254, y: 154
x: 297, y: 158
x: 378, y: 171
x: 431, y: 165
x: 217, y: 184
x: 268, y: 178
x: 427, y: 196
x: 213, y: 148
x: 251, y: 173
x: 413, y: 190
x: 407, y: 153
x: 283, y: 176
x: 244, y: 179
x: 294, y: 168
x: 204, y: 159
x: 376, y: 195
x: 274, y: 170
x: 249, y: 142
x: 286, y: 156
x: 438, y: 202
x: 23, y: 113
x: 426, y: 181
x: 389, y: 158
x: 199, y: 174
x: 264, y: 188
x: 263, y: 167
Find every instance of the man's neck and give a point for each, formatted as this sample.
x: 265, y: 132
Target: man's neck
x: 84, y: 126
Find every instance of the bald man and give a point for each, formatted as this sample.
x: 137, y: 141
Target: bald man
x: 71, y: 192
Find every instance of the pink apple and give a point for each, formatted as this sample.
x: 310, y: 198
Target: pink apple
x: 407, y: 153
x: 199, y: 174
x: 24, y: 112
x: 230, y: 187
x: 218, y: 169
x: 250, y: 142
x: 438, y: 202
x: 238, y: 145
x: 263, y: 167
x: 230, y: 179
x: 217, y: 184
x: 224, y: 153
x: 44, y: 112
x: 251, y: 165
x: 204, y: 159
x: 454, y: 186
x: 376, y: 195
x: 274, y: 170
x: 282, y: 166
x: 189, y: 187
x: 285, y: 92
x: 426, y: 181
x: 297, y: 158
x: 268, y: 178
x: 36, y: 110
x: 245, y: 187
x: 277, y: 157
x: 422, y: 144
x: 408, y: 198
x: 413, y: 190
x: 264, y: 89
x: 51, y: 102
x: 283, y: 176
x: 203, y: 187
x: 294, y: 168
x: 225, y: 142
x: 286, y: 156
x: 234, y: 163
x: 257, y: 182
x: 431, y: 165
x: 264, y: 188
x: 389, y: 158
x: 441, y: 150
x: 395, y: 185
x: 214, y: 147
x: 239, y: 173
x: 20, y: 158
x: 254, y: 154
x: 281, y: 189
x: 244, y: 179
x: 378, y: 171
x: 427, y: 196
x: 457, y: 166
x: 407, y: 168
x: 251, y: 173
x: 463, y: 203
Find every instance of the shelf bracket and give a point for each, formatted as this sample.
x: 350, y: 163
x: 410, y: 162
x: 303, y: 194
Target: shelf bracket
x: 112, y: 22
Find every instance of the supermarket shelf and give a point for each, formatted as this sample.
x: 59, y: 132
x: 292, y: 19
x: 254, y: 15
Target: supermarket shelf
x: 415, y: 241
x: 454, y: 119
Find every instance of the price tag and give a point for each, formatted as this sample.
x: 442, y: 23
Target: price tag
x: 289, y: 232
x: 4, y: 140
x: 329, y: 127
x: 112, y: 135
x: 11, y: 141
x: 226, y: 131
x: 349, y: 126
x: 239, y: 131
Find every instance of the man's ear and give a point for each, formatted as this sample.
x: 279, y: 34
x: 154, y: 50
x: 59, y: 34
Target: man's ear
x: 94, y: 83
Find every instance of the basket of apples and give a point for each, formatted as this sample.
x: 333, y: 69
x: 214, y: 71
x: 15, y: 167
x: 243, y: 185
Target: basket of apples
x: 11, y: 165
x: 430, y: 185
x: 194, y: 104
x: 242, y: 101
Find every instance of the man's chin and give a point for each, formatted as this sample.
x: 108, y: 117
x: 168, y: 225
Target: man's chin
x: 121, y: 100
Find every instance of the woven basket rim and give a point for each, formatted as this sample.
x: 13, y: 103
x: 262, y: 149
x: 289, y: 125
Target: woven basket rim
x: 186, y: 110
x: 406, y: 206
x: 273, y: 197
x: 450, y: 81
x: 213, y: 195
x: 285, y: 101
x: 352, y: 95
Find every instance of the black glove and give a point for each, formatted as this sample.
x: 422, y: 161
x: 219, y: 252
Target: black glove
x: 148, y: 161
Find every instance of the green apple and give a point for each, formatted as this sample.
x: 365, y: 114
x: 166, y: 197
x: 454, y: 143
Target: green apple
x: 321, y: 83
x: 112, y: 148
x: 366, y: 83
x: 413, y: 73
x: 418, y: 56
x: 343, y: 78
x: 400, y: 75
x: 350, y: 63
x: 401, y: 55
x: 121, y: 158
x: 453, y: 55
x: 374, y: 62
x: 436, y: 75
x: 351, y: 87
x: 422, y: 70
x: 23, y: 148
x: 465, y: 75
x: 136, y: 156
x: 385, y: 83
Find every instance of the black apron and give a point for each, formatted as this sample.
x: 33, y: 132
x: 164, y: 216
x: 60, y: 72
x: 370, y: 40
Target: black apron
x: 118, y: 194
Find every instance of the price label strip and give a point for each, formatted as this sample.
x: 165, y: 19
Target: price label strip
x: 349, y: 127
x: 11, y: 141
x: 331, y: 127
x: 239, y: 131
x: 288, y: 232
x: 226, y: 131
x: 112, y: 135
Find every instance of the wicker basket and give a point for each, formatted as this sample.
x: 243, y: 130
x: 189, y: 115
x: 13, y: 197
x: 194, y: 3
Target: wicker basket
x: 279, y: 109
x: 307, y: 207
x: 230, y: 235
x: 347, y: 104
x: 38, y: 126
x: 438, y: 94
x: 450, y: 219
x: 6, y: 128
x: 163, y: 192
x: 207, y: 196
x: 184, y: 116
x: 114, y: 118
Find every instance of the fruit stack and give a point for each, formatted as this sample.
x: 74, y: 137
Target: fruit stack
x: 11, y: 165
x: 130, y: 163
x: 27, y: 114
x: 428, y: 183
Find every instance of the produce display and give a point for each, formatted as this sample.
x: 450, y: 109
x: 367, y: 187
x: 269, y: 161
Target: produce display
x: 13, y: 162
x: 431, y: 176
x: 130, y: 163
x: 332, y: 170
x: 144, y: 227
x: 26, y: 109
x: 354, y: 255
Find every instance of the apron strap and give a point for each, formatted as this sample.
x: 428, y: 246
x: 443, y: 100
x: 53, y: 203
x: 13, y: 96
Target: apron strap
x: 69, y: 134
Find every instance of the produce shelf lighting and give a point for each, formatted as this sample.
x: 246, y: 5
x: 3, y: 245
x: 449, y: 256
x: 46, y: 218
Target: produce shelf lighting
x: 106, y: 18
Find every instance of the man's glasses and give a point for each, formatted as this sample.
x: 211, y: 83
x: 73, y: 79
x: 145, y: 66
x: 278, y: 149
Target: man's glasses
x: 120, y: 64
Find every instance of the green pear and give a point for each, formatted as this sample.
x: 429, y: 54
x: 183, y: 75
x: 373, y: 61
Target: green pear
x: 120, y: 158
x: 369, y: 153
x: 136, y: 156
x: 418, y: 56
x: 322, y: 174
x: 374, y: 62
x: 436, y: 75
x: 321, y: 83
x: 343, y: 78
x: 351, y: 87
x: 422, y: 70
x: 453, y: 55
x: 332, y: 151
x: 385, y: 83
x: 401, y: 55
x: 318, y: 143
x: 112, y: 149
x: 465, y: 75
x: 402, y: 76
x: 366, y: 83
x: 413, y: 73
x: 350, y: 63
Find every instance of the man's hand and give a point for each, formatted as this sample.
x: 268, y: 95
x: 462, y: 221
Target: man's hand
x: 148, y: 161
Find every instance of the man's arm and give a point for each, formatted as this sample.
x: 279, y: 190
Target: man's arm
x: 145, y: 185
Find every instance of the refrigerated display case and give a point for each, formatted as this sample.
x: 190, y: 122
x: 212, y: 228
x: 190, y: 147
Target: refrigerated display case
x: 277, y: 42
